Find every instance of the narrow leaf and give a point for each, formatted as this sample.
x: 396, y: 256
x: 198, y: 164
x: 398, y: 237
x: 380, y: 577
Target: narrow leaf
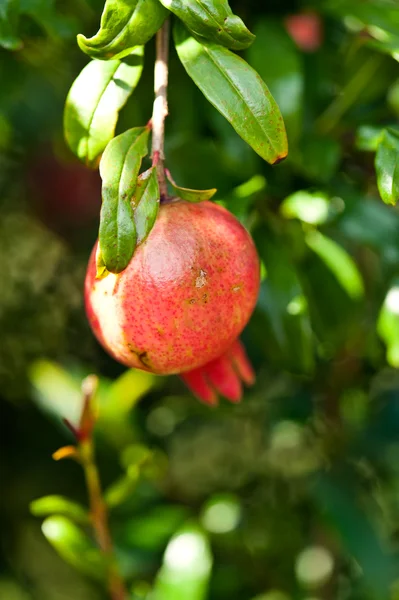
x: 238, y: 93
x: 119, y: 169
x: 124, y: 25
x: 94, y: 101
x: 387, y: 166
x: 190, y: 195
x: 49, y: 505
x: 146, y: 203
x: 339, y: 263
x: 74, y: 546
x: 212, y: 21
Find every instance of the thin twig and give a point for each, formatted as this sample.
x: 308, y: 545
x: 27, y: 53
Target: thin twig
x: 160, y: 110
x: 98, y: 509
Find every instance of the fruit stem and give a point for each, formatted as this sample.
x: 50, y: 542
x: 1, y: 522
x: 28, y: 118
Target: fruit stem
x: 98, y: 509
x: 160, y: 110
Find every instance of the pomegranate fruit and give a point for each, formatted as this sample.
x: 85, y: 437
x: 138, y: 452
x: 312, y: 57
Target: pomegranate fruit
x: 185, y: 296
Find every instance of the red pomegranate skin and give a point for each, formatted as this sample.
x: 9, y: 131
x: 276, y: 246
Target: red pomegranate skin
x: 185, y: 296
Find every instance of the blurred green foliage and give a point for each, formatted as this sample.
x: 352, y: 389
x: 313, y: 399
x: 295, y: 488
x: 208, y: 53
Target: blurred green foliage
x: 294, y: 494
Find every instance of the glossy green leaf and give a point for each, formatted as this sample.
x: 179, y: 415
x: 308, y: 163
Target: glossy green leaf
x: 74, y: 546
x: 387, y: 166
x: 339, y: 262
x: 94, y: 101
x: 186, y: 568
x: 59, y: 505
x: 146, y: 203
x: 119, y: 169
x: 238, y: 93
x: 212, y: 21
x: 388, y: 324
x: 281, y: 322
x: 124, y: 25
x: 190, y: 195
x: 282, y: 71
x: 9, y: 13
x: 309, y: 207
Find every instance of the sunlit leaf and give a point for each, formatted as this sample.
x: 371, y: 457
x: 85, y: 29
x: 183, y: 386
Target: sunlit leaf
x: 190, y: 195
x: 94, y: 102
x: 309, y: 207
x: 124, y: 26
x: 238, y: 93
x: 388, y: 324
x: 59, y: 505
x: 387, y: 166
x: 281, y: 70
x: 74, y: 546
x: 212, y: 20
x: 56, y: 391
x: 127, y: 389
x: 339, y: 262
x: 368, y: 137
x: 146, y: 203
x: 119, y: 169
x: 186, y: 568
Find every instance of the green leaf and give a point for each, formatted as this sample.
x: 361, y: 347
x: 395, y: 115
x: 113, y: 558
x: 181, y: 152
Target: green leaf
x: 282, y: 72
x: 119, y: 169
x: 74, y: 546
x: 124, y: 25
x: 59, y: 505
x: 281, y: 322
x: 94, y: 101
x: 146, y: 203
x: 190, y: 195
x: 238, y: 93
x: 182, y: 578
x: 213, y: 21
x: 9, y: 13
x: 123, y: 488
x: 309, y: 207
x: 388, y: 324
x: 368, y: 137
x: 339, y: 263
x: 387, y: 166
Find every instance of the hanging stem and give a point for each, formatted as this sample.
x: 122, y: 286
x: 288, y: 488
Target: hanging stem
x: 98, y: 509
x: 160, y: 110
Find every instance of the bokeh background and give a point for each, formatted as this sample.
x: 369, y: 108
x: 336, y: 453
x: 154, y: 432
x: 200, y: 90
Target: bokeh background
x: 294, y: 494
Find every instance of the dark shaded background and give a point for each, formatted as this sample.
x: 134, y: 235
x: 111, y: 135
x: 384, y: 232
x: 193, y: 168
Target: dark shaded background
x: 296, y: 490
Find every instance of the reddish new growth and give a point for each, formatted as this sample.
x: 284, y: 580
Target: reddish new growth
x: 183, y: 300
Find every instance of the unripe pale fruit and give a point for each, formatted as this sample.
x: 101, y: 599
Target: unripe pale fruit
x: 185, y: 296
